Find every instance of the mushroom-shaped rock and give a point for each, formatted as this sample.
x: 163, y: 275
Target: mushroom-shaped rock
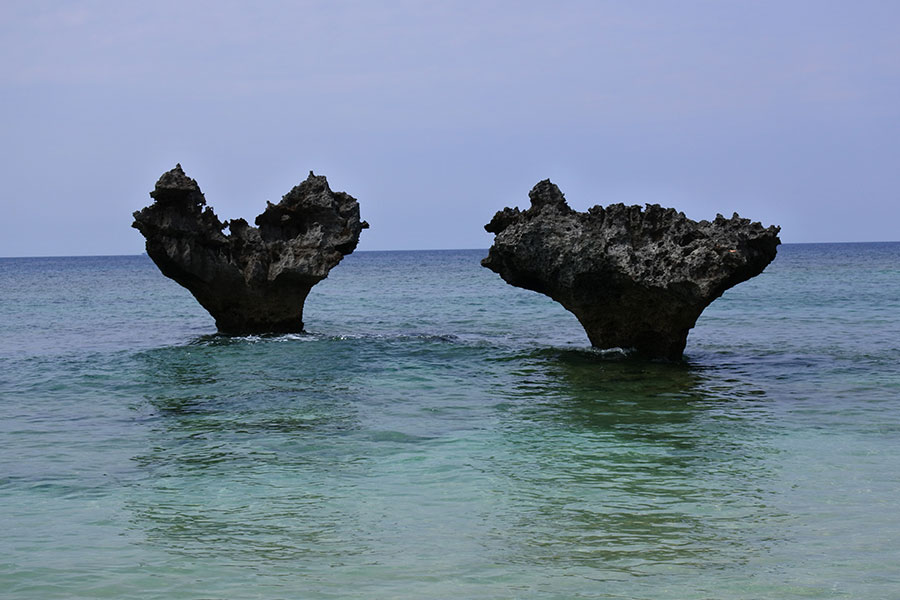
x: 252, y: 279
x: 635, y: 278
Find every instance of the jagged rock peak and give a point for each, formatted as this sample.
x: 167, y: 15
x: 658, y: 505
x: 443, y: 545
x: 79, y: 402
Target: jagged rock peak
x: 545, y: 194
x: 634, y: 277
x: 251, y: 280
x: 175, y: 186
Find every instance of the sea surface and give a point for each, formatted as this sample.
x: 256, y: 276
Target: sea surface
x: 439, y: 434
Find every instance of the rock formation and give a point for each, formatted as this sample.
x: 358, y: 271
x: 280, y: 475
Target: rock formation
x: 253, y: 279
x: 635, y: 278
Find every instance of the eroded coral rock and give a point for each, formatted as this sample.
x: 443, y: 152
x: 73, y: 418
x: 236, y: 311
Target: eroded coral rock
x: 635, y: 278
x: 252, y: 279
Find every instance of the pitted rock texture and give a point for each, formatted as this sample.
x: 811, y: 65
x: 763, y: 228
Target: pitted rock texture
x: 252, y: 279
x: 635, y: 278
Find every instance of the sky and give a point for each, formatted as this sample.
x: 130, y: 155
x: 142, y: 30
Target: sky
x: 436, y: 114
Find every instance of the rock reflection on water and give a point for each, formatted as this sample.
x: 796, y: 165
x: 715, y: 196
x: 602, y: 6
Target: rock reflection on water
x: 561, y: 464
x: 244, y: 458
x: 634, y: 467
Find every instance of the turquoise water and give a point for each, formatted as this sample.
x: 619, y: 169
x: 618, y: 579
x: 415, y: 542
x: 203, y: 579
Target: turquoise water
x: 439, y: 434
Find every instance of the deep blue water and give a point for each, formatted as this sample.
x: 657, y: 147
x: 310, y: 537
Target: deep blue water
x: 440, y: 434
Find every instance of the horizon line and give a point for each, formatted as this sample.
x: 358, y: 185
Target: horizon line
x: 408, y: 250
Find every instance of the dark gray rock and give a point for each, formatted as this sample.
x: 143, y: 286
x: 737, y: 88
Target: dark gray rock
x: 635, y: 278
x: 252, y: 279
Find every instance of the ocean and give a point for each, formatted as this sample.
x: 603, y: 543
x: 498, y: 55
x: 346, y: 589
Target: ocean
x: 440, y: 434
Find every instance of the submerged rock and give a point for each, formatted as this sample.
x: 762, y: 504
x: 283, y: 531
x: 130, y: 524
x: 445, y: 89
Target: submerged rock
x: 635, y: 278
x: 252, y: 279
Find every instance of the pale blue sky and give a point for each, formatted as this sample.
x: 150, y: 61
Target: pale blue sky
x: 436, y: 114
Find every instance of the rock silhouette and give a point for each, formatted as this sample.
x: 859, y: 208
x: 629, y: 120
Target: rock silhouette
x: 635, y: 278
x: 252, y: 279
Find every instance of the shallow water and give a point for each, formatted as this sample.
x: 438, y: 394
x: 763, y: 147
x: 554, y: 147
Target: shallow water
x: 440, y: 434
